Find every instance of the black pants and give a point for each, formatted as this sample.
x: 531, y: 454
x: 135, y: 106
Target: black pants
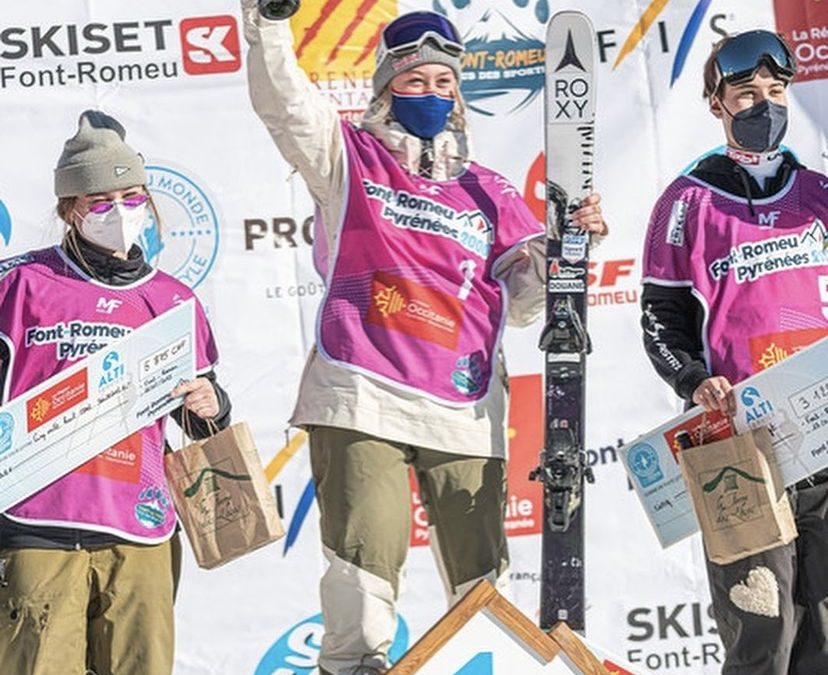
x: 772, y: 608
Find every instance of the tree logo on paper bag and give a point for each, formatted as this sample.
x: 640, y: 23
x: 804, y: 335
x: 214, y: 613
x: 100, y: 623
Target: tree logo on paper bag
x: 213, y: 486
x: 731, y: 500
x: 216, y: 506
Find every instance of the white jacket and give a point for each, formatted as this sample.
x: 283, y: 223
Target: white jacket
x: 306, y: 129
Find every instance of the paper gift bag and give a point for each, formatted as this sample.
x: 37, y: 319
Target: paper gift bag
x: 222, y: 496
x: 738, y: 496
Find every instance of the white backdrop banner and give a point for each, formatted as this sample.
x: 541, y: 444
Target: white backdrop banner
x: 237, y: 229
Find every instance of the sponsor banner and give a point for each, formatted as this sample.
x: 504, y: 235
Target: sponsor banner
x: 335, y: 42
x: 804, y: 24
x: 94, y: 405
x: 55, y: 53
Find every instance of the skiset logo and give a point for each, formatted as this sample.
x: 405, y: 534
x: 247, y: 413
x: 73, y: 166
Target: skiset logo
x: 210, y: 44
x: 44, y: 56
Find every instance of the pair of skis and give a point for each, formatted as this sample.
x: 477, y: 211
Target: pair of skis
x: 569, y: 141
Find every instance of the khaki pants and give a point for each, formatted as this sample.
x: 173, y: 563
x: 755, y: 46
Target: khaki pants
x: 109, y: 610
x: 362, y: 488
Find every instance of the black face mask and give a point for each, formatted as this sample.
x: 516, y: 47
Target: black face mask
x: 761, y: 127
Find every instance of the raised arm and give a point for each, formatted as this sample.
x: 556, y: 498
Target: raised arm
x: 303, y: 124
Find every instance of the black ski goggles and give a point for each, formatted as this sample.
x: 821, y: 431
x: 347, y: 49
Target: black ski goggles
x: 745, y: 53
x: 408, y: 32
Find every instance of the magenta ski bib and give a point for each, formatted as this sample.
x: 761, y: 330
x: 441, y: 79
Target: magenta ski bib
x: 413, y: 297
x: 762, y: 277
x: 51, y: 315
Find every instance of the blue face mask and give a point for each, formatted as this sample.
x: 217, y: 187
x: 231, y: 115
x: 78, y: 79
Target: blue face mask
x: 424, y: 115
x: 760, y: 127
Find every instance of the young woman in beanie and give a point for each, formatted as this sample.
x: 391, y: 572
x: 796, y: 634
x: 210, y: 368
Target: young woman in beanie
x: 421, y: 248
x: 86, y: 585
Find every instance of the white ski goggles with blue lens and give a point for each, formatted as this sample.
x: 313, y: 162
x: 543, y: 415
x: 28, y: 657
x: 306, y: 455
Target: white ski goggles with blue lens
x: 408, y: 32
x: 745, y: 53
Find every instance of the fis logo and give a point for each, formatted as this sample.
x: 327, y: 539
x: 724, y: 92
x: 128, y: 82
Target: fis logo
x: 646, y: 21
x: 210, y: 44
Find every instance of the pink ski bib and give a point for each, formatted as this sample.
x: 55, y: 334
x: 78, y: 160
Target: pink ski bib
x: 51, y: 315
x: 762, y: 279
x: 412, y: 298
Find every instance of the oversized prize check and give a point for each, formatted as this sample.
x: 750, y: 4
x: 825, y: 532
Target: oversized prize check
x: 790, y: 398
x: 65, y: 421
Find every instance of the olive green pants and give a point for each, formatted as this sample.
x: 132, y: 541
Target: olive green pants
x: 364, y: 497
x: 107, y: 610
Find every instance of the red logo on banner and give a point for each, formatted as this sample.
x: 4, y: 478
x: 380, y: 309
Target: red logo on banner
x: 615, y: 669
x: 120, y: 462
x: 768, y: 350
x: 210, y: 44
x: 716, y: 427
x: 534, y: 191
x: 57, y: 398
x: 804, y: 23
x: 408, y: 307
x: 524, y: 501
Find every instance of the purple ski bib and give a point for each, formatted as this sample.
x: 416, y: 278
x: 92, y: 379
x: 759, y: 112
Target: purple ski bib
x: 412, y: 298
x: 51, y: 315
x: 761, y: 278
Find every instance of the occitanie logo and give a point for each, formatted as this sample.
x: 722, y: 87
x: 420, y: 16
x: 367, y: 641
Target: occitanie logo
x: 389, y: 300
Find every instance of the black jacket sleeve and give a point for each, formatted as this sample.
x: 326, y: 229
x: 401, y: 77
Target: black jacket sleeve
x: 199, y: 427
x: 671, y: 320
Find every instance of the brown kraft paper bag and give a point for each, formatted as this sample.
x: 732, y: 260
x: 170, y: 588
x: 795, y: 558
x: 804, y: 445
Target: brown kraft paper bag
x: 738, y: 496
x: 222, y: 496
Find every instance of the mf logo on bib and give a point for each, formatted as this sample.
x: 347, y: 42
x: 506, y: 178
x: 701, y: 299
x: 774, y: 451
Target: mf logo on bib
x: 189, y: 225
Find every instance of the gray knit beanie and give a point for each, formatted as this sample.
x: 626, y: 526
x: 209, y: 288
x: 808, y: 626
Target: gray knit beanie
x: 389, y: 65
x: 96, y: 159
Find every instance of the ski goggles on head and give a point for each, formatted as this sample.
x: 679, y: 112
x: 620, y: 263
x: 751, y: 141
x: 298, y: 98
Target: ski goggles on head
x: 408, y: 32
x: 745, y: 53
